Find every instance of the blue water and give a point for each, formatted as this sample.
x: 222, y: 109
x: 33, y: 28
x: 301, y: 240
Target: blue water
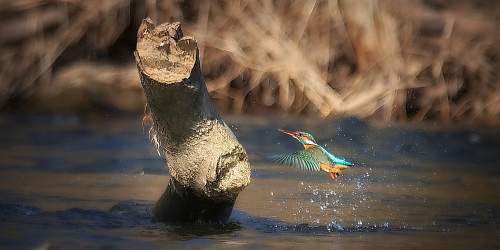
x: 68, y: 183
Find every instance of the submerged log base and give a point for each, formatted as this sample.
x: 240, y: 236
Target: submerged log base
x: 209, y: 167
x: 182, y: 205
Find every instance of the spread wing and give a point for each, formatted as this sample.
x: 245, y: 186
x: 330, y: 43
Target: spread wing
x: 301, y: 159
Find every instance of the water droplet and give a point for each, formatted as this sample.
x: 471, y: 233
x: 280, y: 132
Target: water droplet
x: 474, y: 138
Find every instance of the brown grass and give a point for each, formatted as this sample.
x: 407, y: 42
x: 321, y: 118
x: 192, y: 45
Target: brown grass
x: 35, y: 35
x: 376, y: 59
x: 382, y: 59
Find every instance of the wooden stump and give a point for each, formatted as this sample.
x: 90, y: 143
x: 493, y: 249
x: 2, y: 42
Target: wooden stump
x: 208, y: 166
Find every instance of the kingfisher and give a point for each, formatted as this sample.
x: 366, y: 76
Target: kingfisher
x: 313, y: 157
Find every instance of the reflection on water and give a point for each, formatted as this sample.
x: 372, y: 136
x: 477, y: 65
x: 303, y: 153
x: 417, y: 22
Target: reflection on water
x: 65, y: 184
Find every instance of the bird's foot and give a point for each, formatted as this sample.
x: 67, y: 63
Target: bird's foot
x: 334, y: 174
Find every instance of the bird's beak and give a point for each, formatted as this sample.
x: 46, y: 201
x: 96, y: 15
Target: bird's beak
x: 290, y: 133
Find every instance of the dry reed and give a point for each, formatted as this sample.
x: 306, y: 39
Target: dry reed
x: 405, y: 60
x: 363, y: 58
x: 36, y: 35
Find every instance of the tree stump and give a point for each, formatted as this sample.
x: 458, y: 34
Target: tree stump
x: 207, y: 164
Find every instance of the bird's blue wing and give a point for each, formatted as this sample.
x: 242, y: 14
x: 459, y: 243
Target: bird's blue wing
x: 301, y: 160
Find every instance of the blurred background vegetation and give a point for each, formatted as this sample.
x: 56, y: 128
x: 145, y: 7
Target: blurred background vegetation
x: 406, y: 60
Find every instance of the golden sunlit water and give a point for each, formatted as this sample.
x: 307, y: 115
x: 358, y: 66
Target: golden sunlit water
x: 412, y: 187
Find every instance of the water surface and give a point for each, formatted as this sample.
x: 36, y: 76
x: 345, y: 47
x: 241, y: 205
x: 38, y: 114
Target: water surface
x: 67, y: 183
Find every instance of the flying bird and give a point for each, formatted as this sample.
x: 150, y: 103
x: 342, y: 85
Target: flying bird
x: 313, y: 157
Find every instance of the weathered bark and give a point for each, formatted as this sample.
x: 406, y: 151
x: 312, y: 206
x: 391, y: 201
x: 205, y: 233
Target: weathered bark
x: 208, y: 166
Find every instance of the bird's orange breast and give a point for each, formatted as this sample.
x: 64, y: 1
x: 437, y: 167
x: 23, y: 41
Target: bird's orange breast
x: 325, y: 166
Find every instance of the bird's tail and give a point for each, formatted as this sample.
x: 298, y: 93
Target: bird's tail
x: 337, y: 160
x: 340, y: 167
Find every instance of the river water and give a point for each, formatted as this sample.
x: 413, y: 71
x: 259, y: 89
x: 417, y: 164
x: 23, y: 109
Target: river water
x: 66, y: 183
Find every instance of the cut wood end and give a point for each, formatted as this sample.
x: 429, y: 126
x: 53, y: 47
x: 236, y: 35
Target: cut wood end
x: 164, y: 53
